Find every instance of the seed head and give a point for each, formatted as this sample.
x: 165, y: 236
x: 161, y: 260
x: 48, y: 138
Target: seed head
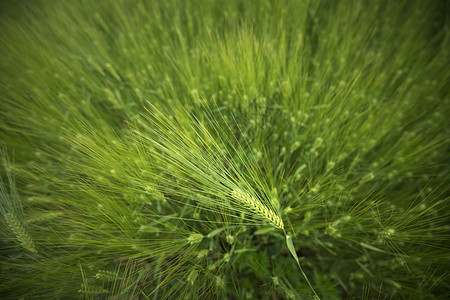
x: 195, y: 238
x: 19, y: 232
x: 259, y: 208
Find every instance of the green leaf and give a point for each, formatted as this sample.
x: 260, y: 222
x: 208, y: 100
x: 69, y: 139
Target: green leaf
x: 215, y: 232
x: 291, y: 248
x: 264, y: 230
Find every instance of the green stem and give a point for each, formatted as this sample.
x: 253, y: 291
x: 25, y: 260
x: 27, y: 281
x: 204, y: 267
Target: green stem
x: 291, y: 248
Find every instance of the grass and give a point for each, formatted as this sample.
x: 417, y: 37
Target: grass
x: 224, y: 150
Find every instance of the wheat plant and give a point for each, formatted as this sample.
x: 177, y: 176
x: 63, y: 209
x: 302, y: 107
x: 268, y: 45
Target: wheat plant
x: 224, y: 149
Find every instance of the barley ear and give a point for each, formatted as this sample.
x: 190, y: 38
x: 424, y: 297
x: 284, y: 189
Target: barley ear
x: 19, y: 232
x: 260, y: 209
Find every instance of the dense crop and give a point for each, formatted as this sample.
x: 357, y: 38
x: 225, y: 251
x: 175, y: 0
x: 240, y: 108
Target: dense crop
x: 224, y: 149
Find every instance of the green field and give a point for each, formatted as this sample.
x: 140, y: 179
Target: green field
x: 224, y: 149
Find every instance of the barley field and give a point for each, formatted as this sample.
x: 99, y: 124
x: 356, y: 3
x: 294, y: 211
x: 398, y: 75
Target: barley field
x: 224, y: 149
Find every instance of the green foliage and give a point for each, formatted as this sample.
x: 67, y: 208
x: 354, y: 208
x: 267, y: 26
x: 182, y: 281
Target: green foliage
x: 224, y: 150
